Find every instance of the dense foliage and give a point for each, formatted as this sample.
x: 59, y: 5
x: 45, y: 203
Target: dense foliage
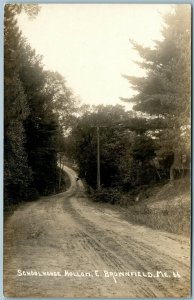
x: 136, y: 148
x: 126, y: 156
x: 34, y: 111
x: 151, y: 143
x: 165, y: 92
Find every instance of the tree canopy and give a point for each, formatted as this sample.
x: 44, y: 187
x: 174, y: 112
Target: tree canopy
x: 165, y: 92
x: 43, y: 120
x: 35, y: 113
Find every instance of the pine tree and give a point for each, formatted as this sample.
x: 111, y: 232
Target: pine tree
x: 164, y: 92
x: 38, y: 106
x: 16, y: 171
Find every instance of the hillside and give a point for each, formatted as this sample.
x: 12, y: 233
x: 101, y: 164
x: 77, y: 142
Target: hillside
x: 165, y: 207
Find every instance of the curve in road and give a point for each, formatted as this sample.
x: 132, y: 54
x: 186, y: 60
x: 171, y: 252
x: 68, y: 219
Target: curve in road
x: 68, y: 246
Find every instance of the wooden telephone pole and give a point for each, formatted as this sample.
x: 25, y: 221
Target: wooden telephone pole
x: 98, y: 157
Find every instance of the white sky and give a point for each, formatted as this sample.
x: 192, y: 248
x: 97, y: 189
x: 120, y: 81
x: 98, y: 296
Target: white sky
x: 89, y: 44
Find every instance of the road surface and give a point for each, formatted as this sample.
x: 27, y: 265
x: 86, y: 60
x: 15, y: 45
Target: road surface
x: 68, y: 246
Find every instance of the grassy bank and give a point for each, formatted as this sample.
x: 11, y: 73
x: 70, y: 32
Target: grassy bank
x: 168, y: 208
x: 164, y: 207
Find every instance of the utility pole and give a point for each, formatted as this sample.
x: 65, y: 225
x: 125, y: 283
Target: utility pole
x: 60, y: 170
x: 98, y: 157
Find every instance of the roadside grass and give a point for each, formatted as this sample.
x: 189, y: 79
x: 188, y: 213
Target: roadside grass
x: 164, y: 207
x: 167, y: 209
x: 173, y: 219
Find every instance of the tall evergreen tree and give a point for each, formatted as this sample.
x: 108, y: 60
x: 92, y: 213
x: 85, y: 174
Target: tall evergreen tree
x: 37, y: 105
x: 164, y: 93
x: 16, y: 170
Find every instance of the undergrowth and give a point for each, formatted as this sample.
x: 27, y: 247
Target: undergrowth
x: 165, y: 207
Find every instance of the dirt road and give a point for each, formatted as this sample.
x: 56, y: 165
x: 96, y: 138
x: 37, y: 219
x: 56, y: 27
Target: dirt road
x: 80, y: 243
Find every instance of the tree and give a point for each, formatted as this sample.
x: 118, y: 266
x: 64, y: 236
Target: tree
x: 114, y: 140
x: 41, y: 124
x: 164, y: 92
x: 62, y: 99
x: 52, y: 105
x: 62, y: 102
x: 17, y: 174
x: 38, y: 108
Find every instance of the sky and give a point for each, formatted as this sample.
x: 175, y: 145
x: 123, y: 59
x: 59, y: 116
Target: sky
x: 89, y: 44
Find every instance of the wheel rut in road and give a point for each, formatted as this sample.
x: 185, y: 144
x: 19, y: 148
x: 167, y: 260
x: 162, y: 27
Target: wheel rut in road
x: 127, y: 254
x: 68, y: 232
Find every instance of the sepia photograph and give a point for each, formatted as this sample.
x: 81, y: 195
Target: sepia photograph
x: 97, y: 152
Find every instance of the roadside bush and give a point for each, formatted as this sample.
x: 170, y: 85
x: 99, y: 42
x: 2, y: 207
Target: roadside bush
x: 31, y: 194
x: 108, y: 195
